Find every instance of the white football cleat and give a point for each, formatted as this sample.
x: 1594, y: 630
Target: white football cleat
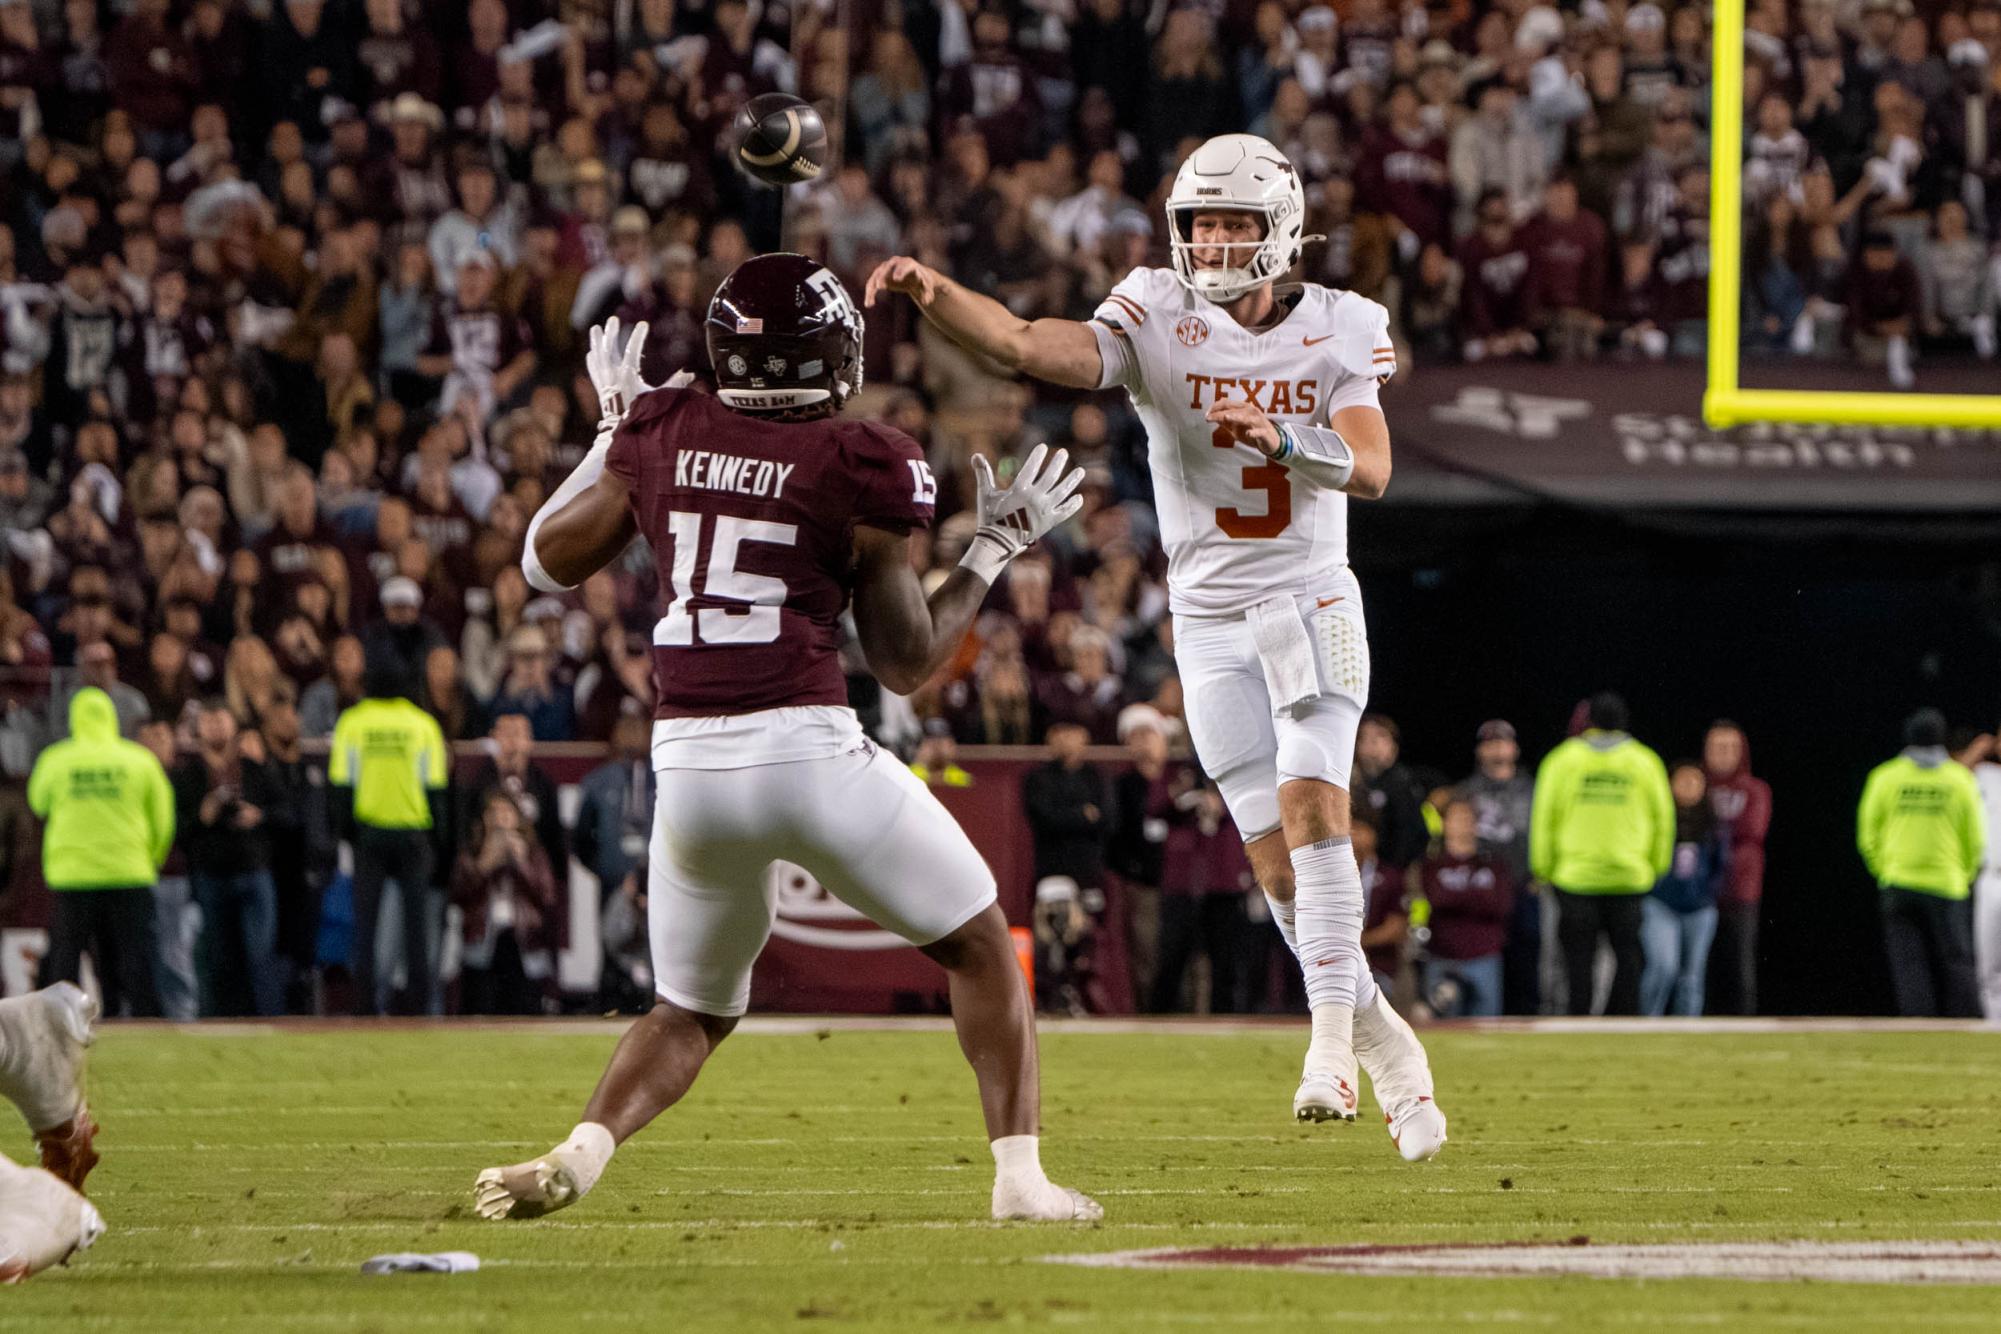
x: 1417, y: 1129
x: 1400, y: 1074
x: 1043, y: 1202
x: 1324, y: 1096
x: 525, y: 1190
x: 43, y: 1037
x: 42, y: 1222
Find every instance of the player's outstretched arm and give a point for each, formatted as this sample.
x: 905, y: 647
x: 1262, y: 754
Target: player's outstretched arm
x: 1060, y: 351
x: 904, y: 635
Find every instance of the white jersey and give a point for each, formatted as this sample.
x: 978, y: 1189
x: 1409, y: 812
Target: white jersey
x: 1239, y: 528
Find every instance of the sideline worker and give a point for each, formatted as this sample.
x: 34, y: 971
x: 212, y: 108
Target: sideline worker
x: 109, y: 816
x: 391, y: 757
x: 1601, y: 832
x: 1922, y: 831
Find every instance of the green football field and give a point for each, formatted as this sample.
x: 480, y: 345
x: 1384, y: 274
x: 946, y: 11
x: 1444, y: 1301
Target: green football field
x: 837, y: 1179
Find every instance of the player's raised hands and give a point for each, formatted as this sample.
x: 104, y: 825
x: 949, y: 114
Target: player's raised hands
x: 614, y: 368
x: 1247, y: 424
x: 902, y: 274
x: 1044, y: 494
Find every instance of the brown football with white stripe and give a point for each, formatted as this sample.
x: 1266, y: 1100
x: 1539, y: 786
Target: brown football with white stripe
x: 780, y: 139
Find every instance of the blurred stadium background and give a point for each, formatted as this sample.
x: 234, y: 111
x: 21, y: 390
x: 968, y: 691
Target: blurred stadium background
x: 294, y: 296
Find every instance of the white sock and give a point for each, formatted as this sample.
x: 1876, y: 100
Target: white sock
x: 1367, y: 993
x: 1284, y: 916
x: 586, y: 1153
x: 1899, y: 357
x: 1018, y: 1159
x: 1327, y: 905
x: 1802, y: 339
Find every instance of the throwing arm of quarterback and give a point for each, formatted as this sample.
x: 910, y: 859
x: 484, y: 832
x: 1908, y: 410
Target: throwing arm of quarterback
x: 1060, y: 351
x: 1351, y: 453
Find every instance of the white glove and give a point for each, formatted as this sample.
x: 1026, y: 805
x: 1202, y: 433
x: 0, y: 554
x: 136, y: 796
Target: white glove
x: 1043, y: 496
x: 615, y: 372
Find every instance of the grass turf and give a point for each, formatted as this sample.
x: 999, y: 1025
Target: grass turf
x: 840, y: 1182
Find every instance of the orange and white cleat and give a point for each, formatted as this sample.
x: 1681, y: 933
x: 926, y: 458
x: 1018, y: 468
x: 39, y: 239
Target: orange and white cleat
x: 1324, y: 1096
x: 1400, y: 1074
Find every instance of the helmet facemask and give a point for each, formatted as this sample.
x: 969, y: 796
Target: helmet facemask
x: 1247, y: 264
x: 770, y: 385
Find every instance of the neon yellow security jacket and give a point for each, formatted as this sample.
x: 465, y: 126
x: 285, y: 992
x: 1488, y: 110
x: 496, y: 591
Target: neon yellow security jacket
x: 1603, y: 818
x: 1921, y: 826
x: 106, y: 802
x: 393, y: 755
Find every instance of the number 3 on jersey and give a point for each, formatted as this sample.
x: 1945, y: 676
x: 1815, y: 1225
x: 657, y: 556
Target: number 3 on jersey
x: 1270, y: 478
x: 758, y: 623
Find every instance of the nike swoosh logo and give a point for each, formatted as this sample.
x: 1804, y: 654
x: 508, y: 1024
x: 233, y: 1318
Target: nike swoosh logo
x: 1328, y: 602
x: 1309, y: 342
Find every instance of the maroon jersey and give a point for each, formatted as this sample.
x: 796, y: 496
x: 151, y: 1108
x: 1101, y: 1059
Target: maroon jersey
x: 751, y: 523
x: 1407, y: 178
x: 1495, y: 298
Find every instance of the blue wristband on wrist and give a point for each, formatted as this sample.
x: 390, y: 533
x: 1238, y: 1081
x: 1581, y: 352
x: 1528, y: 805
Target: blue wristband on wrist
x: 1285, y: 444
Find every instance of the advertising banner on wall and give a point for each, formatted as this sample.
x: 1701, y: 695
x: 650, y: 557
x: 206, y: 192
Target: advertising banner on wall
x: 1632, y: 434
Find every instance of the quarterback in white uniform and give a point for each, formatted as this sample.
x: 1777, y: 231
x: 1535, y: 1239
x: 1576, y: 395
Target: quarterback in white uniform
x: 1262, y: 419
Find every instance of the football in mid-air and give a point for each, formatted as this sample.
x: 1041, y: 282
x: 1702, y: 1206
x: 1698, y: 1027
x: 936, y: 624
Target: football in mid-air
x: 780, y: 139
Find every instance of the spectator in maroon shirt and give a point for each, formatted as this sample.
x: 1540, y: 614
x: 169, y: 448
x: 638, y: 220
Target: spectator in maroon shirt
x: 995, y: 90
x: 290, y: 554
x: 307, y: 57
x: 1495, y: 293
x: 1088, y: 694
x: 667, y: 170
x: 1402, y: 173
x: 474, y: 73
x: 1204, y: 878
x: 1385, y: 923
x: 1883, y: 305
x: 396, y: 56
x: 1742, y: 803
x: 1567, y: 252
x: 28, y: 72
x: 1471, y: 895
x: 152, y: 77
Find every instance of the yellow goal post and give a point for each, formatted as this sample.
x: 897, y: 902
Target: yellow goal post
x: 1725, y: 402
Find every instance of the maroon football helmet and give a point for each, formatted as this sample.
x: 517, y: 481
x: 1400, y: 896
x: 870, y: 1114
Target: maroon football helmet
x: 785, y: 339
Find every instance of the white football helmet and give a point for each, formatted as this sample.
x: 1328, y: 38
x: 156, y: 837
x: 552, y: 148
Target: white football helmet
x: 1236, y: 171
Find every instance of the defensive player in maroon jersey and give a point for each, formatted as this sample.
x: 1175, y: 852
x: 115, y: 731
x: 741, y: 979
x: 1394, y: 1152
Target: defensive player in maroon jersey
x: 766, y: 516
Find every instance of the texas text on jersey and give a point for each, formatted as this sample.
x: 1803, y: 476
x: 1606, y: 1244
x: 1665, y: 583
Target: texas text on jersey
x: 751, y: 523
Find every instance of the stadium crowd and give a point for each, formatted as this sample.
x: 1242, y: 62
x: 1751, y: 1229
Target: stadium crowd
x: 293, y: 296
